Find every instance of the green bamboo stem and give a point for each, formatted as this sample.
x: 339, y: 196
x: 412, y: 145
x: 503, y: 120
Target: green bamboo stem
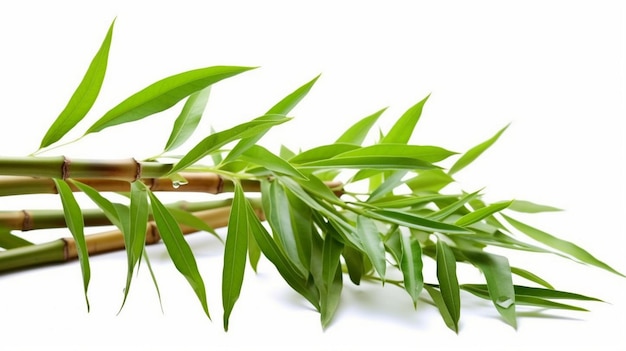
x: 63, y: 250
x: 33, y: 219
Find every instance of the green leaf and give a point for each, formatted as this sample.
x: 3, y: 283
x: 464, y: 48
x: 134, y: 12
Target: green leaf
x: 261, y: 156
x: 163, y: 94
x: 235, y: 253
x: 283, y: 107
x: 357, y: 132
x: 153, y: 277
x: 333, y: 283
x: 432, y: 180
x: 442, y: 307
x: 105, y: 205
x: 74, y: 221
x: 402, y: 130
x: 482, y: 213
x: 189, y: 219
x: 419, y: 152
x: 178, y: 249
x: 411, y: 266
x: 453, y: 207
x: 564, y: 246
x: 530, y: 207
x: 369, y: 162
x: 448, y: 282
x: 215, y: 141
x: 473, y: 153
x: 499, y: 282
x: 354, y: 264
x: 410, y: 220
x: 84, y: 96
x: 188, y: 119
x: 390, y: 183
x: 372, y: 243
x: 530, y: 276
x: 10, y: 241
x: 322, y: 153
x: 401, y: 201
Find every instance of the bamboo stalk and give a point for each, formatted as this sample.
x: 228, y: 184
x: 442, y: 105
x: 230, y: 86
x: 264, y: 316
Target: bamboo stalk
x: 33, y: 219
x: 63, y: 250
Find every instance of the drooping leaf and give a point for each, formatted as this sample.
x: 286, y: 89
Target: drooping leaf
x: 103, y: 203
x: 499, y: 282
x: 401, y: 131
x: 473, y: 153
x: 482, y: 213
x: 163, y: 94
x: 442, y: 307
x: 153, y: 277
x: 74, y: 221
x: 189, y: 219
x: 561, y: 245
x: 332, y: 275
x: 411, y: 266
x: 283, y: 107
x: 178, y: 249
x: 357, y: 132
x: 448, y: 282
x: 188, y: 119
x: 215, y: 141
x: 531, y: 276
x: 259, y: 155
x: 354, y: 264
x: 372, y: 243
x: 84, y: 96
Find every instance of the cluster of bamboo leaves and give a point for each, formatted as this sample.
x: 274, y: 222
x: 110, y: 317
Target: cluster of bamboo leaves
x: 318, y: 233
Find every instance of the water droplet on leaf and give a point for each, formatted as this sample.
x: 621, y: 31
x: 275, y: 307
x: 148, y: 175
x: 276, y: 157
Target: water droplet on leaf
x: 504, y: 301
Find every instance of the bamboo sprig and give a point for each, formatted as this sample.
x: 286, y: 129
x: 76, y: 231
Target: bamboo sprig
x: 391, y: 214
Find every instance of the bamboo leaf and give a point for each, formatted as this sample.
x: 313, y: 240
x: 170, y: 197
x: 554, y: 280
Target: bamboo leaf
x: 419, y: 152
x: 402, y: 130
x: 283, y: 107
x: 105, y: 205
x: 178, y: 249
x: 188, y: 119
x: 473, y: 153
x: 215, y: 141
x: 482, y: 213
x: 153, y: 277
x: 10, y: 241
x: 357, y: 132
x: 84, y: 96
x: 189, y: 219
x: 443, y: 308
x: 411, y: 266
x: 432, y: 180
x: 261, y: 156
x: 410, y: 220
x: 74, y: 221
x: 322, y: 153
x: 354, y: 264
x: 530, y: 207
x: 564, y: 246
x: 499, y: 282
x: 372, y: 243
x: 453, y: 207
x: 448, y: 282
x: 163, y: 94
x: 369, y: 162
x: 331, y: 271
x: 388, y: 185
x: 530, y: 276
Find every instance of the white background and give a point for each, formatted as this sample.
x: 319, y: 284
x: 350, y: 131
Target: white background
x: 554, y: 69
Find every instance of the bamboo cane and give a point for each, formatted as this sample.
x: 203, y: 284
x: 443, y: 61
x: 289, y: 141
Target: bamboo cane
x: 63, y: 250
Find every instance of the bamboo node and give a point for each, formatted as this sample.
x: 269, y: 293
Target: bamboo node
x: 220, y: 185
x: 27, y: 221
x: 137, y: 170
x: 65, y: 168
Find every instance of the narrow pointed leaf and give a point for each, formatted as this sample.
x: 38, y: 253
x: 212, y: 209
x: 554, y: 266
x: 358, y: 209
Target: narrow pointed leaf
x: 261, y: 156
x: 473, y: 153
x: 84, y: 96
x: 354, y: 264
x: 153, y: 277
x: 531, y: 276
x: 564, y: 246
x: 530, y: 207
x: 357, y: 132
x: 448, y: 282
x: 235, y: 253
x: 104, y: 204
x: 189, y: 219
x: 416, y: 222
x: 370, y: 162
x: 283, y: 107
x: 322, y: 153
x: 482, y: 213
x: 331, y: 271
x: 443, y: 308
x: 389, y: 184
x: 372, y: 243
x: 432, y: 180
x: 188, y: 119
x: 10, y: 241
x: 419, y: 152
x: 499, y: 282
x: 402, y: 130
x: 453, y: 207
x: 411, y: 266
x: 74, y: 221
x: 163, y: 94
x: 178, y: 249
x: 215, y: 141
